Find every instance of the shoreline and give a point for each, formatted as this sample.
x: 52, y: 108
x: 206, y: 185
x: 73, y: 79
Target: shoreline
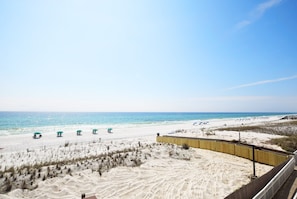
x: 70, y: 123
x: 23, y: 141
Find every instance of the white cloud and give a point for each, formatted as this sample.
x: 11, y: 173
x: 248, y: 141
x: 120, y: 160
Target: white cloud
x: 257, y: 13
x: 262, y: 82
x: 243, y: 24
x: 261, y: 8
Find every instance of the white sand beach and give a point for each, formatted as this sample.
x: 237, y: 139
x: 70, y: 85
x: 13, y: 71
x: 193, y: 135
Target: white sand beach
x: 128, y: 163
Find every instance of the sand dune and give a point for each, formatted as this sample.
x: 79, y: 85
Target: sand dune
x: 127, y: 164
x: 193, y: 173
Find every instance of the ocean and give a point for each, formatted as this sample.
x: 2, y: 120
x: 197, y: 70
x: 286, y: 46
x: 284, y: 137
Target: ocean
x: 12, y: 123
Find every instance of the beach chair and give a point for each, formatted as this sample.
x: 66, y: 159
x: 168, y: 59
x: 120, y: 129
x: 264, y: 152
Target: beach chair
x: 59, y: 133
x: 94, y: 131
x: 37, y: 135
x: 78, y: 132
x: 109, y: 130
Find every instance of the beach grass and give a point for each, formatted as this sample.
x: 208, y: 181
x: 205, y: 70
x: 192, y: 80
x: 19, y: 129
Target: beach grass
x: 25, y: 176
x: 284, y: 128
x: 288, y: 143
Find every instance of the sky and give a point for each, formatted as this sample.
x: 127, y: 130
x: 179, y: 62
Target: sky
x: 148, y: 55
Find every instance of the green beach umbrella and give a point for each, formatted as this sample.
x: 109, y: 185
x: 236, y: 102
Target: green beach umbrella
x: 78, y: 132
x: 37, y: 135
x: 59, y: 133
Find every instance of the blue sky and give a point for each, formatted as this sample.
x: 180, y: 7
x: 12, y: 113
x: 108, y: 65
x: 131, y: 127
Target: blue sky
x: 148, y: 55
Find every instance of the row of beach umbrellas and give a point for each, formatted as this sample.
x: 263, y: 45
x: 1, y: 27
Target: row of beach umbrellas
x: 78, y: 132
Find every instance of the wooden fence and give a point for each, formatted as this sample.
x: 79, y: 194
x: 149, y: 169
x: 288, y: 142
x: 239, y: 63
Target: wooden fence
x: 261, y: 155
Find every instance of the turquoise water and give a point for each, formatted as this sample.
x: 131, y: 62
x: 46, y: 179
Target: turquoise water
x: 26, y: 122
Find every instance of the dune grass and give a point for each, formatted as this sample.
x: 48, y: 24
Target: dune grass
x: 288, y: 143
x: 285, y: 128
